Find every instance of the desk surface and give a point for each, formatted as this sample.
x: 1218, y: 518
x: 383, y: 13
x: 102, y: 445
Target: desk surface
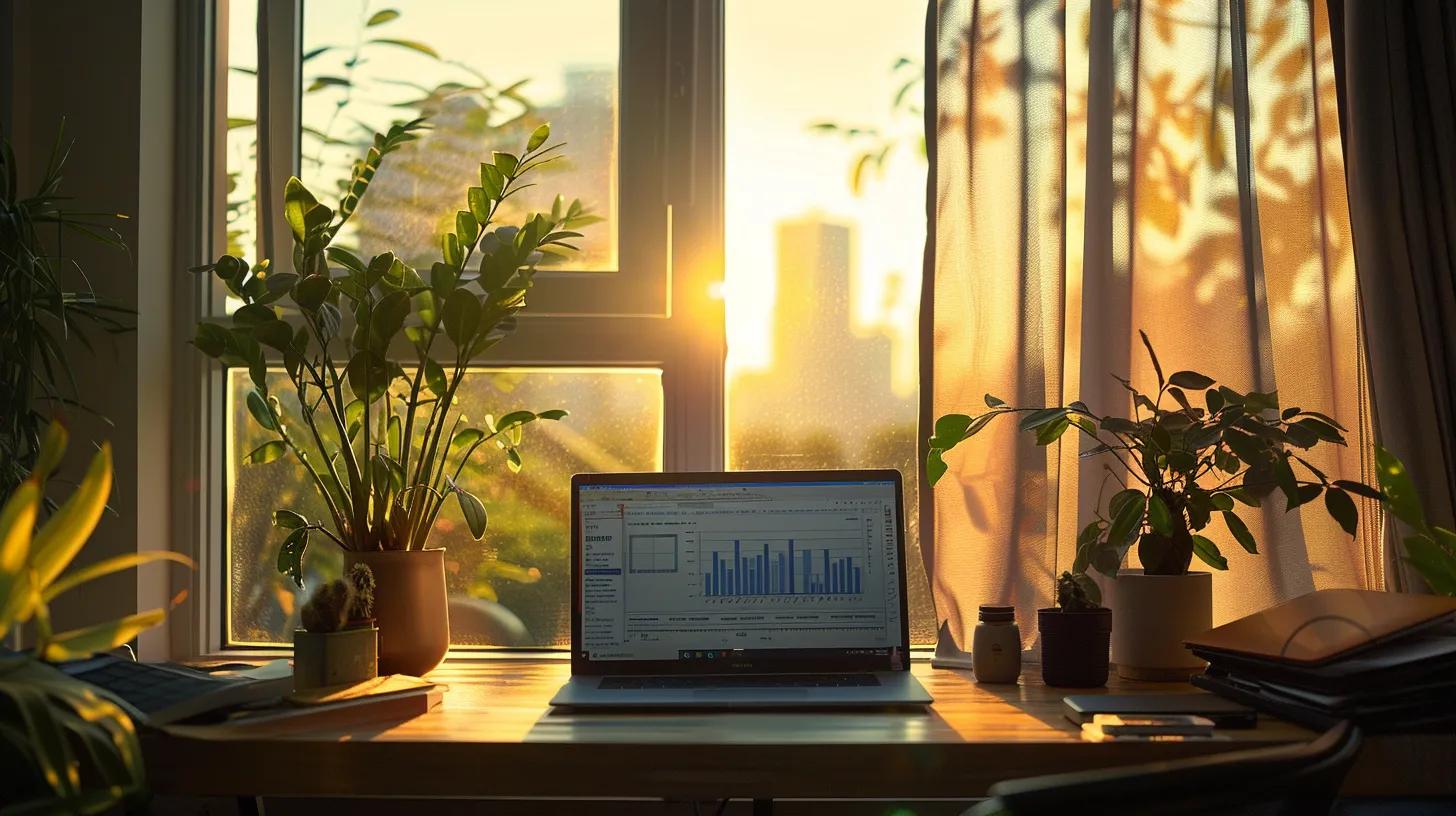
x: 494, y: 736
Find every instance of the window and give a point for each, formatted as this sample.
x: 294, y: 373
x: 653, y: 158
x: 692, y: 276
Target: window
x: 819, y: 279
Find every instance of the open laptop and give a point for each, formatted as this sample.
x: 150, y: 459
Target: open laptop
x: 747, y: 589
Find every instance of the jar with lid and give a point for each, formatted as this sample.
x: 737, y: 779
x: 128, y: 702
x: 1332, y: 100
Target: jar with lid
x: 996, y: 645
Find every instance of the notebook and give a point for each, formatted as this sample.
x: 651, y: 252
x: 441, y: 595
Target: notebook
x: 1325, y: 626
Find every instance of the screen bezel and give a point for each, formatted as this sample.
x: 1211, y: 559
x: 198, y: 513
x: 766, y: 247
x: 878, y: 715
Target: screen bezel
x: 898, y: 659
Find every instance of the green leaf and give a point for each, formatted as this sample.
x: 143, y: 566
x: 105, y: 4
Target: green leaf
x: 107, y: 566
x: 1041, y: 417
x: 1359, y: 489
x: 388, y: 316
x: 1191, y: 380
x: 1214, y: 400
x: 17, y: 521
x: 1222, y: 501
x: 381, y: 17
x: 553, y: 414
x: 935, y: 466
x: 259, y: 409
x: 506, y: 163
x: 513, y: 460
x: 1208, y: 553
x: 538, y: 137
x: 435, y: 378
x: 1152, y: 355
x: 267, y: 452
x: 1342, y: 509
x: 412, y: 45
x: 1304, y: 494
x: 1159, y: 516
x: 62, y: 535
x: 949, y: 430
x: 474, y: 512
x: 1241, y: 532
x: 1127, y: 515
x: 461, y: 316
x: 465, y: 438
x: 288, y: 520
x: 994, y: 402
x: 491, y: 181
x: 298, y: 204
x: 466, y: 227
x: 290, y: 555
x: 368, y: 375
x: 479, y: 205
x: 1400, y: 491
x: 1435, y: 564
x: 312, y: 291
x: 1051, y: 432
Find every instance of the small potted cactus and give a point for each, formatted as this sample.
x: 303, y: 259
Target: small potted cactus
x: 339, y: 642
x: 1075, y: 634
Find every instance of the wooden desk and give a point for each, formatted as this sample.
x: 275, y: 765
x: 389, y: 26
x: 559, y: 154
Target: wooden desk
x: 494, y: 736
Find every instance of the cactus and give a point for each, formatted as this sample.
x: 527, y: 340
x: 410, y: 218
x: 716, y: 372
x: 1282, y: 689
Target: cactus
x: 1077, y: 592
x: 327, y: 610
x: 342, y: 603
x: 361, y: 594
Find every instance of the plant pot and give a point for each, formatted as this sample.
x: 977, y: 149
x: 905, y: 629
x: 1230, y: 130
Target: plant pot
x: 334, y: 658
x: 410, y: 608
x: 1155, y: 615
x: 1074, y: 647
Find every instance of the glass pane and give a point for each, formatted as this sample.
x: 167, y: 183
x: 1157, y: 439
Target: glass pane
x: 485, y: 84
x: 826, y: 377
x: 513, y: 588
x: 241, y: 144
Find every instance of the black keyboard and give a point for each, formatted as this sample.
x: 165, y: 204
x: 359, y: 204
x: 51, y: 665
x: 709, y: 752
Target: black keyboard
x: 717, y: 681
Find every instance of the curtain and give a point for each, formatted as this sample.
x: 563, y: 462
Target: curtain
x: 1398, y: 95
x: 1104, y: 167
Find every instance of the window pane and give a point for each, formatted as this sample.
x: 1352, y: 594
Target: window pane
x: 485, y: 86
x: 513, y: 588
x: 241, y: 144
x: 827, y: 376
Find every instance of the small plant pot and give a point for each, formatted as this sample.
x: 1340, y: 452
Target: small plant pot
x: 411, y: 607
x: 334, y: 658
x: 1074, y: 646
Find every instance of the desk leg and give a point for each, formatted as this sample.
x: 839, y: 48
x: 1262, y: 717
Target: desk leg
x: 250, y: 806
x: 763, y: 807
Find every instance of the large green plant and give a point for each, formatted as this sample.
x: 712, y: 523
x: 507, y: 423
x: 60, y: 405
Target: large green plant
x: 382, y: 445
x: 64, y: 745
x: 1183, y: 463
x: 39, y: 314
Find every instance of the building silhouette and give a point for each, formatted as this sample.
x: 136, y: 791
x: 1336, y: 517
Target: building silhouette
x: 827, y: 381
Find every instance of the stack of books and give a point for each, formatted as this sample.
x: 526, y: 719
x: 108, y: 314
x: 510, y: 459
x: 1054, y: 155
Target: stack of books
x: 1384, y: 661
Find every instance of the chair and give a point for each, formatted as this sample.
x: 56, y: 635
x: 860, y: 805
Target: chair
x: 1290, y: 779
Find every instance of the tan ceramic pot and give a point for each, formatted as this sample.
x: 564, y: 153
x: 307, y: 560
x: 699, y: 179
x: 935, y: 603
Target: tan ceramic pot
x: 410, y: 608
x: 1151, y: 617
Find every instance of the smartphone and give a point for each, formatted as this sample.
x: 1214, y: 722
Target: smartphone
x: 1153, y: 725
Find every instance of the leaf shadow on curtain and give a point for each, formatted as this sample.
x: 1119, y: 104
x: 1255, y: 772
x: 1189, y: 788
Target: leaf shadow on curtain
x: 1228, y: 242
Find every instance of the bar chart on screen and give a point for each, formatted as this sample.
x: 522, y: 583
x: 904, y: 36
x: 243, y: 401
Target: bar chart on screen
x: 801, y: 563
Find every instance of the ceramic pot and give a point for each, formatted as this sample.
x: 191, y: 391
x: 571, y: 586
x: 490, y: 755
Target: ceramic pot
x: 410, y: 608
x: 1154, y: 615
x: 1074, y: 646
x: 334, y: 658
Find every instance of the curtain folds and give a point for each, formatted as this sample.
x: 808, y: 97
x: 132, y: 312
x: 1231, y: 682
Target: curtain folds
x: 1100, y: 168
x: 1399, y: 112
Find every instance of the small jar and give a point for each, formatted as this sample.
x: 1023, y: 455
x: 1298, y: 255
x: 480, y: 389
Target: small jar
x: 996, y: 646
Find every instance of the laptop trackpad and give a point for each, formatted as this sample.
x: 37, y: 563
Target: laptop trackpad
x: 742, y: 693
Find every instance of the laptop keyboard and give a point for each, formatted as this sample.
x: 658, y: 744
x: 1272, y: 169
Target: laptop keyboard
x: 742, y: 681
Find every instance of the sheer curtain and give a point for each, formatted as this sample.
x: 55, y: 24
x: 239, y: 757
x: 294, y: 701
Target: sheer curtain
x: 1104, y: 167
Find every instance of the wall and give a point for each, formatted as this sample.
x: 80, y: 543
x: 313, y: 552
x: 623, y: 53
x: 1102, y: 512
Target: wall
x: 106, y: 69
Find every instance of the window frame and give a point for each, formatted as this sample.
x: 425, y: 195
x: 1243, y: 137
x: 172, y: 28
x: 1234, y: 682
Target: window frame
x: 660, y: 309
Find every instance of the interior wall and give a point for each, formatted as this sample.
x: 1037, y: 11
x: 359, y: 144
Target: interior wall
x: 105, y: 68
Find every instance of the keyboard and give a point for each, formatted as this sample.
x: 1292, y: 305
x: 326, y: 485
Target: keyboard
x: 716, y: 681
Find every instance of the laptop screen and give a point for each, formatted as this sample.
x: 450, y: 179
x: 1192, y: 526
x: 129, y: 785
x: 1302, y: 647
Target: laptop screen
x: 731, y: 575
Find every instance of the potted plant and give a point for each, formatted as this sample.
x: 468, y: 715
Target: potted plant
x: 1074, y: 634
x: 1182, y: 465
x: 1430, y: 549
x: 339, y: 642
x: 384, y: 445
x: 69, y: 747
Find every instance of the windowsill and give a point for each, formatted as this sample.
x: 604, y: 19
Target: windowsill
x: 918, y: 654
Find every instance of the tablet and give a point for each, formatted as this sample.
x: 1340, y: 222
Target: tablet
x: 1081, y: 708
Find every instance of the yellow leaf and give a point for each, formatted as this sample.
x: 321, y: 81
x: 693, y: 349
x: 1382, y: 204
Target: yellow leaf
x: 64, y: 533
x: 79, y: 643
x: 17, y: 520
x: 52, y: 448
x: 105, y: 567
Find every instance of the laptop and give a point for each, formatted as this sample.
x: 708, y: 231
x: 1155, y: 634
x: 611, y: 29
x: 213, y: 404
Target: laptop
x: 739, y: 590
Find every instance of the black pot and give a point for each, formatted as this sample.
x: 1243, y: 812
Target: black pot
x: 1074, y: 646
